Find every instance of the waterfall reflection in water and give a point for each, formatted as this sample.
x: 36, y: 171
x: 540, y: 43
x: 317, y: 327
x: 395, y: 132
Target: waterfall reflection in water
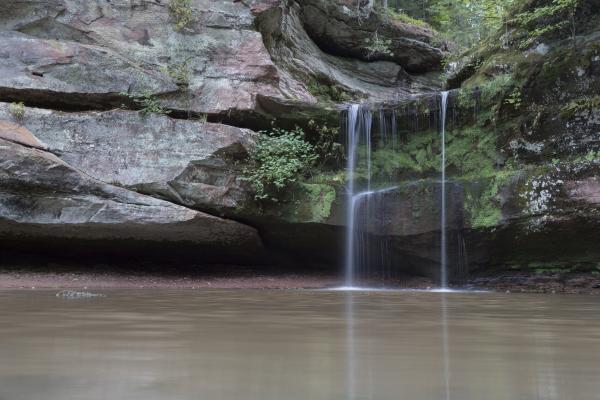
x: 298, y: 345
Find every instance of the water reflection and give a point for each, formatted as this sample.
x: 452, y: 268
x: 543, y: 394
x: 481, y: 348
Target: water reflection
x: 350, y: 348
x: 297, y: 345
x: 445, y: 350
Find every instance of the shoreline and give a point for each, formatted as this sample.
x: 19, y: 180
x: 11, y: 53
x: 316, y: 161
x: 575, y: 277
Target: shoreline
x: 222, y: 277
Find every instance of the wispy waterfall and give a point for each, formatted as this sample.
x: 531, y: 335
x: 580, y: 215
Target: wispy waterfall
x: 443, y: 244
x: 372, y: 196
x: 363, y: 205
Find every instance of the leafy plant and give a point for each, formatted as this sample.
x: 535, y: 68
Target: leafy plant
x: 377, y: 46
x: 179, y: 72
x: 402, y: 17
x: 182, y: 13
x: 326, y: 146
x: 514, y: 99
x: 580, y: 105
x: 327, y: 92
x: 17, y: 109
x: 147, y: 102
x: 281, y: 157
x: 560, y: 12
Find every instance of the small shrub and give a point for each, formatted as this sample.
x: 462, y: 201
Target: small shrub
x: 17, y: 109
x: 514, y: 99
x: 147, y: 102
x: 327, y: 148
x: 179, y: 72
x: 402, y: 17
x: 557, y: 16
x: 281, y: 157
x: 182, y: 12
x: 376, y: 46
x: 327, y: 92
x: 579, y: 106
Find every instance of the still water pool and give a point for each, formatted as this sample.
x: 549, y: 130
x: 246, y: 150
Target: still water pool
x: 298, y: 345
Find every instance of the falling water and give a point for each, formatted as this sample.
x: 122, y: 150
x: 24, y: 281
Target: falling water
x: 443, y: 258
x: 364, y: 205
x: 351, y: 144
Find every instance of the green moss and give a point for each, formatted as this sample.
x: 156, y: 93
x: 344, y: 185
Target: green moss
x: 17, y: 109
x: 308, y: 202
x: 182, y: 12
x: 402, y: 17
x: 320, y: 200
x: 580, y: 105
x: 327, y: 92
x: 484, y: 208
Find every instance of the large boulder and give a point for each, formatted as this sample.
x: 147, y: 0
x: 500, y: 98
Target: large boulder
x: 346, y: 27
x: 188, y: 162
x: 314, y: 61
x: 44, y: 200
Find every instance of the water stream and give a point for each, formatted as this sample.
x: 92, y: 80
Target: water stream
x: 443, y: 244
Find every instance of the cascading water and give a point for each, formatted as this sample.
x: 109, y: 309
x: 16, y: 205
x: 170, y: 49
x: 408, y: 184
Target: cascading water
x: 368, y: 199
x: 363, y: 205
x: 443, y: 244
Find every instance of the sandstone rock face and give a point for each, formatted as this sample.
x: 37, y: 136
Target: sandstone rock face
x: 217, y: 64
x: 287, y: 26
x: 44, y: 198
x: 55, y: 73
x: 188, y: 162
x: 340, y: 27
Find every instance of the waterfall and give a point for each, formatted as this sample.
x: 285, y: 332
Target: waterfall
x: 363, y: 206
x: 367, y: 248
x: 351, y: 160
x: 443, y: 244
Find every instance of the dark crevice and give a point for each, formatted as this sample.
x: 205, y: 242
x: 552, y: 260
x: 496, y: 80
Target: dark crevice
x: 82, y: 102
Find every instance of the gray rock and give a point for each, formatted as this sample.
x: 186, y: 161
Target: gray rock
x: 55, y: 73
x: 340, y: 27
x: 43, y: 198
x: 188, y: 162
x: 89, y: 53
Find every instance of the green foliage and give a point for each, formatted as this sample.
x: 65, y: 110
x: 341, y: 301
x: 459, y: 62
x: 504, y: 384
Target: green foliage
x: 403, y: 17
x: 514, y: 99
x: 484, y: 208
x: 471, y: 151
x: 281, y: 157
x: 182, y: 12
x: 179, y: 72
x: 492, y: 90
x: 592, y: 156
x: 378, y: 47
x: 327, y: 148
x: 17, y: 109
x: 540, y: 21
x: 316, y: 202
x: 147, y: 102
x: 327, y: 92
x: 579, y: 106
x: 464, y: 22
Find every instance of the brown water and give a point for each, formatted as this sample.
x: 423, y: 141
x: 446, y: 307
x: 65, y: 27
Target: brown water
x: 304, y: 345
